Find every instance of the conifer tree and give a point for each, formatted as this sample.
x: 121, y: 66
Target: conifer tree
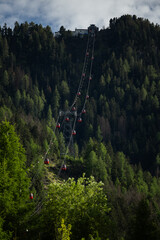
x: 14, y: 183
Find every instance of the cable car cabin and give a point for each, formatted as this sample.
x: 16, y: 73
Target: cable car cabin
x: 31, y: 196
x: 87, y: 97
x: 58, y: 125
x: 79, y: 120
x: 74, y: 132
x: 83, y: 111
x: 64, y: 167
x: 79, y: 93
x: 46, y: 161
x: 73, y: 109
x: 67, y: 119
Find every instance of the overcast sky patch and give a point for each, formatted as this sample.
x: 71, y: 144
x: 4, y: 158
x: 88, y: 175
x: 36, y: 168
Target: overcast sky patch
x: 75, y: 13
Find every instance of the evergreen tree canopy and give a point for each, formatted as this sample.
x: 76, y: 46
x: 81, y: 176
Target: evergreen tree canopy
x: 14, y: 183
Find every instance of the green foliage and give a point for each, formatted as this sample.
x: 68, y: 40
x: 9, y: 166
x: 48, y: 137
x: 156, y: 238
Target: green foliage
x: 81, y: 204
x: 5, y: 78
x: 99, y: 134
x: 144, y: 226
x: 56, y: 99
x: 14, y: 182
x: 49, y: 115
x: 17, y: 98
x: 38, y: 70
x: 5, y: 51
x: 64, y: 231
x: 39, y: 75
x: 5, y: 113
x: 64, y: 89
x: 4, y: 235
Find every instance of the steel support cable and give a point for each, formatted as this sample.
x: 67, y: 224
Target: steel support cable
x: 61, y: 113
x: 90, y: 72
x: 91, y: 65
x: 45, y: 155
x: 69, y: 115
x: 84, y: 66
x: 82, y: 77
x: 80, y: 85
x: 37, y: 208
x: 40, y: 204
x: 67, y: 148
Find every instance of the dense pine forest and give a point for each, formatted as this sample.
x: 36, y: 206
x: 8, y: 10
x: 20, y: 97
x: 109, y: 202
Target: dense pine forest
x: 111, y: 188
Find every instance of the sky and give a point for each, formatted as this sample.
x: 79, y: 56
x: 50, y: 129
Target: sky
x: 75, y: 13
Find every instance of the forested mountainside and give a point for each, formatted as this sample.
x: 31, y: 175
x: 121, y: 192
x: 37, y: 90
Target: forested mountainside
x: 118, y: 141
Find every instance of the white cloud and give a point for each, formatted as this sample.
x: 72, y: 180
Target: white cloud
x: 75, y: 13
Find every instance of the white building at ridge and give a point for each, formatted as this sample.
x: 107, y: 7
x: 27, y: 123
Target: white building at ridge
x: 79, y: 31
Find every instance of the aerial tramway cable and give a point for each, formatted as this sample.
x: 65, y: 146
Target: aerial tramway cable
x: 90, y: 75
x: 73, y: 112
x: 67, y: 148
x: 84, y: 69
x: 82, y: 77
